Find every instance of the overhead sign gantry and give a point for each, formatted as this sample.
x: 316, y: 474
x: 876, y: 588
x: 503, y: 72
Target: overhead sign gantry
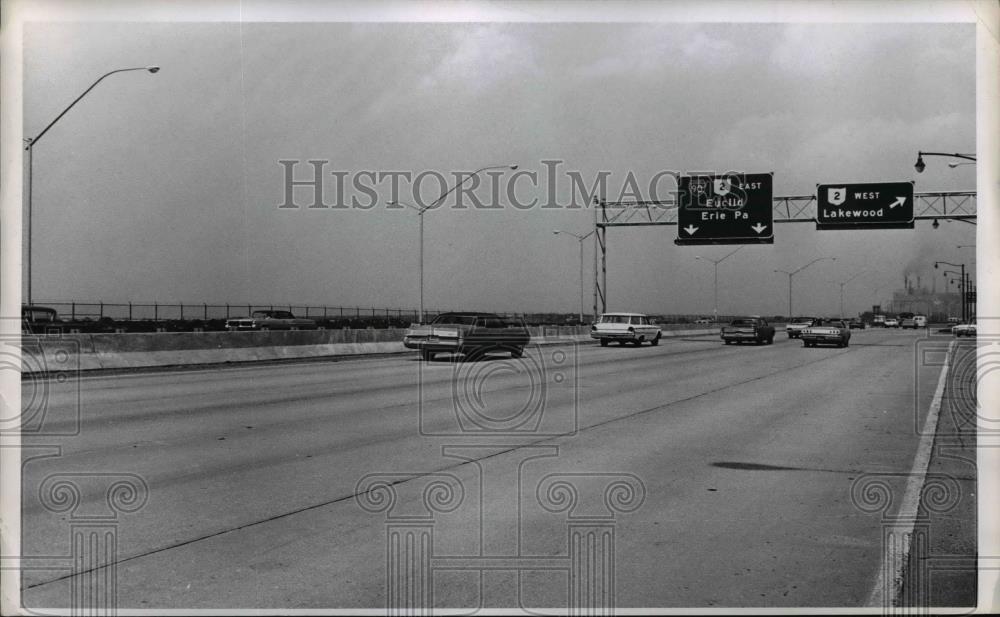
x: 930, y: 206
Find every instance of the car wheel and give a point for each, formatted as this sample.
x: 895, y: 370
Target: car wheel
x: 604, y: 342
x: 770, y: 340
x: 517, y: 352
x: 427, y: 355
x: 847, y: 343
x: 655, y: 341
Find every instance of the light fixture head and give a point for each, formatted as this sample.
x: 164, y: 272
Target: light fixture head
x: 153, y: 69
x: 919, y: 166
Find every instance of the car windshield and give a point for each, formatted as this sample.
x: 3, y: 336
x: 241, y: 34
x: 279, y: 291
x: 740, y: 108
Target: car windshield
x: 272, y: 315
x: 614, y: 318
x: 454, y: 320
x: 744, y: 322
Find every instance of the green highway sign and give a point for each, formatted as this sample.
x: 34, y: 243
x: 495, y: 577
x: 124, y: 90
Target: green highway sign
x: 873, y: 205
x: 732, y: 208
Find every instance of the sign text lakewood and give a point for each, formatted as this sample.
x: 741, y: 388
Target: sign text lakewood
x: 884, y: 205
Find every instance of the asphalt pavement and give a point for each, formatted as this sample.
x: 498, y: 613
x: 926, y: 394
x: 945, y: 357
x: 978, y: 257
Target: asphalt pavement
x: 692, y: 474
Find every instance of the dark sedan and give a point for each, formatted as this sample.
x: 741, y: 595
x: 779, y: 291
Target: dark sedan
x: 469, y: 334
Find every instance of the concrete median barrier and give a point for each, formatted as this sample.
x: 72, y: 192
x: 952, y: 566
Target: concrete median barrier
x: 145, y: 350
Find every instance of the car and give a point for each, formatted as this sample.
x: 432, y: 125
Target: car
x: 891, y: 323
x: 964, y: 329
x: 471, y: 334
x: 954, y: 320
x: 270, y: 320
x: 797, y: 324
x: 908, y: 322
x: 856, y: 324
x: 827, y: 332
x: 753, y: 328
x: 634, y: 328
x: 37, y: 319
x: 920, y: 320
x: 703, y: 320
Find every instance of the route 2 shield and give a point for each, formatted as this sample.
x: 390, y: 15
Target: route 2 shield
x: 836, y: 195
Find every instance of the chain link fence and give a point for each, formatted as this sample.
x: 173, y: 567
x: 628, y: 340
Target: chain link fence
x: 187, y: 317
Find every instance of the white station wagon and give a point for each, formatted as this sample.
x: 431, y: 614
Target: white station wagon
x: 634, y: 328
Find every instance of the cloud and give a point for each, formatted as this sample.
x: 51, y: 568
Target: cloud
x: 653, y: 48
x: 481, y: 56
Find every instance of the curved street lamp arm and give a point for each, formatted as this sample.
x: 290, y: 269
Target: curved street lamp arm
x: 731, y: 253
x: 577, y: 236
x: 812, y: 262
x: 31, y: 141
x: 967, y: 157
x: 463, y: 181
x: 856, y: 275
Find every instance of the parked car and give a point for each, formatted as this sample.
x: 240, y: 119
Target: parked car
x: 891, y: 323
x: 795, y: 327
x: 856, y: 324
x: 827, y: 332
x: 920, y: 320
x: 635, y: 328
x: 908, y: 322
x: 270, y: 320
x: 964, y: 329
x: 467, y: 333
x: 954, y: 320
x: 748, y: 329
x: 703, y: 320
x: 41, y: 320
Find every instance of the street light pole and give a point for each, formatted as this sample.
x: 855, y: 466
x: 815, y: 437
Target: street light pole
x: 793, y: 273
x: 962, y: 266
x: 422, y: 210
x: 842, y: 284
x: 580, y: 240
x: 29, y: 146
x: 716, y: 262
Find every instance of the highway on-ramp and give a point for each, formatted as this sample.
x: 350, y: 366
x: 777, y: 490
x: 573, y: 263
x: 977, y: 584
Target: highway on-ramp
x: 695, y: 474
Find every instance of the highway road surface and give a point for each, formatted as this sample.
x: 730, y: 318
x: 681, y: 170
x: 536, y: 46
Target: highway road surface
x: 692, y: 474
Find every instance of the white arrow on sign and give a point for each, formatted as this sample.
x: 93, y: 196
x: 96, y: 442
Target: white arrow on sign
x: 899, y: 202
x: 759, y: 228
x: 690, y: 229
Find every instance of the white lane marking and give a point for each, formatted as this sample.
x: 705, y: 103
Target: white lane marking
x: 895, y: 560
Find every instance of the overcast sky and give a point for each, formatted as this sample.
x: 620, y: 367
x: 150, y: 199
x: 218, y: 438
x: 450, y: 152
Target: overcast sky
x: 166, y: 187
